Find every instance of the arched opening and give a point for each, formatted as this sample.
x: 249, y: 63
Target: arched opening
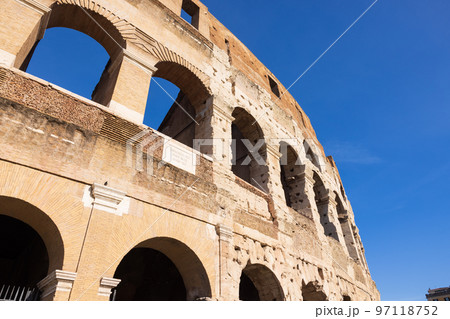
x: 321, y: 199
x: 259, y: 283
x: 69, y: 59
x: 249, y: 150
x: 30, y: 248
x: 148, y: 274
x: 161, y: 269
x: 76, y: 62
x: 175, y: 99
x: 346, y: 228
x: 290, y: 171
x: 346, y: 298
x: 23, y: 259
x: 313, y: 292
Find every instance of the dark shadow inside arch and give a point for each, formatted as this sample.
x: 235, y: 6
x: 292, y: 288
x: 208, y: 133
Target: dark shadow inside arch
x: 247, y: 289
x: 290, y: 171
x: 147, y: 274
x: 23, y: 255
x: 41, y: 223
x: 259, y: 283
x: 245, y: 165
x: 31, y: 247
x: 161, y: 269
x: 313, y: 292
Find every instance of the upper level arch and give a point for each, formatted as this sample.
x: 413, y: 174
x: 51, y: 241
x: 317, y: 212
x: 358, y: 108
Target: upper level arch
x: 94, y: 21
x: 249, y: 150
x: 290, y: 168
x: 182, y: 121
x: 89, y: 19
x: 83, y: 16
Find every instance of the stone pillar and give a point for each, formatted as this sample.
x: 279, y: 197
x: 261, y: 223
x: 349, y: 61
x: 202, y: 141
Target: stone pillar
x: 130, y: 92
x: 347, y: 232
x: 331, y: 219
x: 221, y: 121
x: 225, y: 257
x: 22, y: 24
x: 57, y: 285
x: 360, y: 248
x: 273, y: 165
x: 304, y: 186
x: 106, y: 286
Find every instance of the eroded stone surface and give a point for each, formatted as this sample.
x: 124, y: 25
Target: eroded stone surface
x: 54, y: 143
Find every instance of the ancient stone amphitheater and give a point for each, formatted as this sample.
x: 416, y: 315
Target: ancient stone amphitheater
x: 232, y: 198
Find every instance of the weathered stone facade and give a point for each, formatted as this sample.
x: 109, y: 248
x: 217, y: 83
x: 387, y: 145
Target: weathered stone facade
x: 286, y: 225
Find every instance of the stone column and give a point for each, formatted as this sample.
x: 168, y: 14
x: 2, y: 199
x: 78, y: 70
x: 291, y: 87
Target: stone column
x: 106, y: 286
x: 225, y: 257
x: 304, y: 186
x: 220, y: 144
x: 57, y: 285
x: 331, y: 219
x: 347, y: 232
x: 22, y: 24
x: 273, y: 165
x: 130, y: 92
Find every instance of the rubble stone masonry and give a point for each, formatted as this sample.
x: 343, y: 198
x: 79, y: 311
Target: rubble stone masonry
x: 295, y: 240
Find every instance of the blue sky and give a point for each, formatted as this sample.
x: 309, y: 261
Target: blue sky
x: 378, y: 100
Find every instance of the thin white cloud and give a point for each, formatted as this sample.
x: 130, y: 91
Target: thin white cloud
x: 345, y: 152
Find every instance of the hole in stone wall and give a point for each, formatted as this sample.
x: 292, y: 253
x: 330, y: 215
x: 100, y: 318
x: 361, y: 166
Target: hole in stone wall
x: 190, y: 12
x: 274, y: 87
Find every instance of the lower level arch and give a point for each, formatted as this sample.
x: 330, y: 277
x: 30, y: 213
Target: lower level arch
x: 161, y: 268
x: 259, y: 283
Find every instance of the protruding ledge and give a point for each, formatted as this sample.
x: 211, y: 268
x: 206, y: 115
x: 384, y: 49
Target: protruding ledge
x: 106, y: 285
x: 107, y: 199
x: 36, y: 6
x: 140, y: 62
x: 225, y: 233
x: 59, y: 280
